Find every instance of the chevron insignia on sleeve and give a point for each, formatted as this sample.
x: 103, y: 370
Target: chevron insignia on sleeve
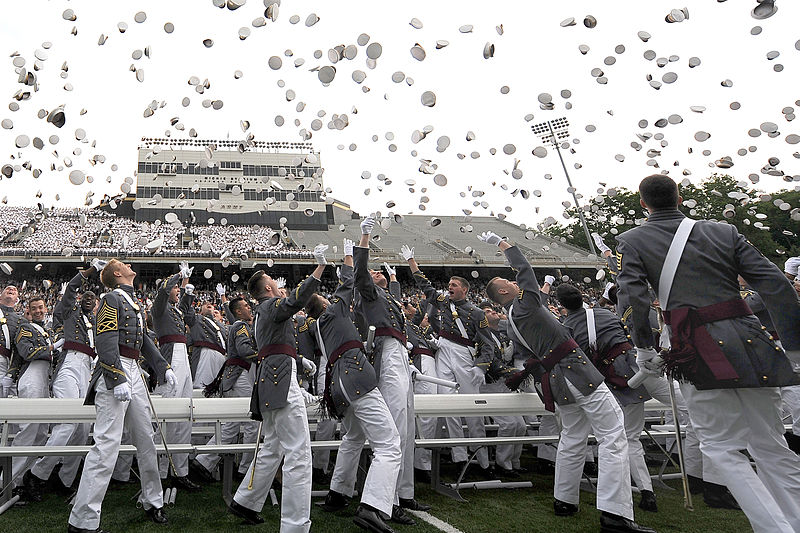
x: 107, y: 318
x: 23, y: 333
x: 243, y: 331
x: 483, y: 323
x: 441, y: 297
x: 619, y: 260
x: 521, y: 292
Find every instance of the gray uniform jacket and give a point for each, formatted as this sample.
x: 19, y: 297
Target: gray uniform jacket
x: 31, y: 345
x: 349, y: 375
x: 759, y: 308
x: 74, y: 323
x: 376, y: 307
x: 207, y: 333
x: 610, y: 334
x: 707, y: 274
x: 119, y: 333
x: 473, y: 319
x: 170, y: 320
x: 544, y: 333
x: 420, y: 345
x: 241, y: 354
x: 274, y: 333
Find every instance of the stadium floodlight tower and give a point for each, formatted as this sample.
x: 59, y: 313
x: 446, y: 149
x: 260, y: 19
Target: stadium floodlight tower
x: 553, y: 132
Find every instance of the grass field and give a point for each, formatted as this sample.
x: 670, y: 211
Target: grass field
x: 488, y: 511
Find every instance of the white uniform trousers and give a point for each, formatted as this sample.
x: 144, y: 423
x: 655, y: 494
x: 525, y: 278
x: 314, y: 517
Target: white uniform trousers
x: 72, y: 381
x: 33, y: 383
x: 394, y: 383
x: 658, y: 388
x: 326, y: 428
x: 634, y: 424
x: 427, y: 424
x: 122, y: 468
x: 243, y: 388
x: 599, y: 413
x: 730, y: 420
x: 177, y: 432
x: 4, y: 363
x: 112, y: 416
x: 791, y: 406
x: 368, y: 418
x: 507, y: 455
x: 286, y: 435
x: 455, y: 363
x: 209, y: 361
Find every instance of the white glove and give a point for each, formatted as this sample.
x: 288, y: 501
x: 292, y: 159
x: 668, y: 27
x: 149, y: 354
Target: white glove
x: 490, y: 237
x: 406, y: 252
x: 549, y: 279
x: 348, y: 247
x: 309, y: 366
x: 220, y: 289
x: 169, y: 377
x: 98, y: 264
x: 58, y: 344
x: 409, y: 347
x: 338, y: 273
x: 63, y: 288
x: 649, y: 361
x: 367, y: 224
x: 281, y: 282
x: 6, y: 383
x: 389, y: 270
x: 308, y: 397
x: 598, y: 241
x: 189, y: 289
x: 414, y: 370
x: 185, y: 271
x: 319, y: 254
x: 122, y: 392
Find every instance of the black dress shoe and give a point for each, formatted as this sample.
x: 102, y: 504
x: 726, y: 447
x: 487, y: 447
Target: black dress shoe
x: 521, y: 470
x: 719, y: 497
x: 505, y: 473
x: 33, y: 487
x: 564, y: 508
x: 414, y: 505
x: 610, y: 523
x: 73, y: 529
x: 183, y: 482
x: 200, y: 472
x: 399, y: 516
x: 118, y: 484
x: 248, y: 515
x: 156, y: 514
x: 369, y: 519
x: 335, y: 501
x: 648, y: 501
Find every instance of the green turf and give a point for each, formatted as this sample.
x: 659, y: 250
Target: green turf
x: 488, y: 511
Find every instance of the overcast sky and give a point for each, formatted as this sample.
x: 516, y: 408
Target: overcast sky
x: 534, y: 55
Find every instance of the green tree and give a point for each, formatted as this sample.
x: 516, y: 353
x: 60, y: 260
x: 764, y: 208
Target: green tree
x: 762, y: 218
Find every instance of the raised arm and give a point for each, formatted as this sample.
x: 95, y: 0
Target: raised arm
x: 162, y: 295
x: 186, y: 304
x: 68, y: 299
x: 344, y: 291
x: 300, y: 297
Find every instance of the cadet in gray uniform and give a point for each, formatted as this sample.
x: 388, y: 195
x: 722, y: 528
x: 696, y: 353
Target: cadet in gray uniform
x: 465, y: 352
x: 600, y: 334
x: 279, y: 404
x: 234, y: 380
x: 30, y: 364
x: 208, y: 346
x: 352, y: 395
x: 730, y: 366
x: 118, y: 391
x: 9, y: 323
x: 377, y: 307
x: 172, y: 311
x: 571, y: 384
x: 71, y: 379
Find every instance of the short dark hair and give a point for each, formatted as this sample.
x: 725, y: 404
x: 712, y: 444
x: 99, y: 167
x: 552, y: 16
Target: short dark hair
x: 569, y: 296
x: 36, y: 299
x: 235, y: 304
x: 486, y: 303
x: 612, y: 294
x: 253, y: 286
x: 88, y: 294
x: 463, y: 281
x: 491, y: 291
x: 315, y: 306
x: 659, y: 192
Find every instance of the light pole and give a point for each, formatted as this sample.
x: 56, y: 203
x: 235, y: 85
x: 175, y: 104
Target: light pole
x: 554, y: 131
